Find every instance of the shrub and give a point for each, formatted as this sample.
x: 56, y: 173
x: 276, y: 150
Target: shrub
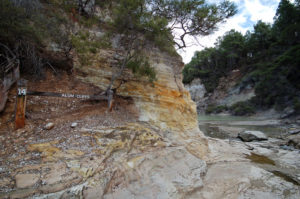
x: 242, y: 108
x: 296, y: 105
x: 215, y: 109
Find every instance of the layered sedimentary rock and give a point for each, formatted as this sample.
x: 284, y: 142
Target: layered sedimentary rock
x: 197, y: 91
x: 164, y: 103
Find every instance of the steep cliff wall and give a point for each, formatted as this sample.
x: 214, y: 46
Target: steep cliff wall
x: 164, y: 103
x: 230, y: 90
x: 197, y: 91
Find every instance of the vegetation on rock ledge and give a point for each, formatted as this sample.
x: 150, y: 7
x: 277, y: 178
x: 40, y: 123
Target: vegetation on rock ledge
x: 268, y: 58
x: 34, y: 25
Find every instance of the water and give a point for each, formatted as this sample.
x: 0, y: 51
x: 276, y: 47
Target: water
x: 223, y: 118
x: 226, y: 126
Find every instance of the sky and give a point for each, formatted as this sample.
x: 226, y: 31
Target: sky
x: 249, y: 12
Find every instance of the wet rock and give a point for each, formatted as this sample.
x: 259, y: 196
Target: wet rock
x: 248, y: 136
x: 294, y: 131
x: 26, y: 180
x: 49, y: 126
x: 286, y: 147
x: 294, y: 140
x: 287, y: 112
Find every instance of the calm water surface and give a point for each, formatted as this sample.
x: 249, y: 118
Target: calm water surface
x: 214, y: 125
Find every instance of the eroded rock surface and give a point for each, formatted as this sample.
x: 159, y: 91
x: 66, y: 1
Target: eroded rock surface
x: 231, y: 175
x: 165, y: 103
x: 132, y: 160
x: 294, y: 140
x: 248, y: 136
x: 197, y: 91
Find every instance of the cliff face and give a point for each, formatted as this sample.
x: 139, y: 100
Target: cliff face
x: 229, y: 91
x: 197, y: 91
x: 164, y: 103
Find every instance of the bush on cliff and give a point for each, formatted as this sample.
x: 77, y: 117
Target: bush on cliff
x: 268, y: 57
x: 242, y: 108
x: 215, y: 109
x: 35, y: 22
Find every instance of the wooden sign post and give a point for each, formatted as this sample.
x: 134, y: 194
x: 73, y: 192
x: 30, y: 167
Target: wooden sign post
x: 20, y: 105
x: 22, y: 92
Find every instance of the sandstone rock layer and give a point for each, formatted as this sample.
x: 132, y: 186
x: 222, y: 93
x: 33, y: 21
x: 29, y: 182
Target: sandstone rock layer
x: 164, y: 103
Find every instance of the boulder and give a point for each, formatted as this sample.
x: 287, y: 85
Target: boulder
x: 287, y: 112
x: 294, y: 140
x: 294, y: 131
x: 248, y: 136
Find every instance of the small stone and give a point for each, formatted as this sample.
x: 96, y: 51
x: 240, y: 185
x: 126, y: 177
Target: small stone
x: 26, y: 180
x: 49, y: 126
x: 74, y: 124
x: 248, y: 136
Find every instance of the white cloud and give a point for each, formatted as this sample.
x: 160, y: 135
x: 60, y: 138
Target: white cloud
x: 249, y: 12
x: 261, y: 10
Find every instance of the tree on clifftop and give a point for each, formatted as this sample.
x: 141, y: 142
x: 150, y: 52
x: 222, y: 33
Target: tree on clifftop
x: 139, y: 24
x: 166, y: 23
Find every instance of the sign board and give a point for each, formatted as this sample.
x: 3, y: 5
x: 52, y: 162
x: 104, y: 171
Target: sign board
x: 22, y: 93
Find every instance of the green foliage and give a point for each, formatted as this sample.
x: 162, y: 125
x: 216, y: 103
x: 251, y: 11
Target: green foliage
x: 296, y: 105
x: 278, y: 83
x: 211, y: 64
x: 286, y: 24
x: 85, y: 45
x: 133, y: 17
x: 141, y: 22
x: 261, y: 38
x: 68, y: 5
x: 193, y: 17
x: 215, y: 109
x: 103, y: 3
x: 242, y: 108
x: 269, y: 57
x: 15, y: 23
x: 24, y: 26
x: 141, y: 67
x: 88, y: 21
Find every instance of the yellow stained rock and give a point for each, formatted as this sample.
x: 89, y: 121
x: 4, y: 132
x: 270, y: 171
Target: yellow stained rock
x: 165, y: 103
x: 75, y: 152
x: 47, y: 149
